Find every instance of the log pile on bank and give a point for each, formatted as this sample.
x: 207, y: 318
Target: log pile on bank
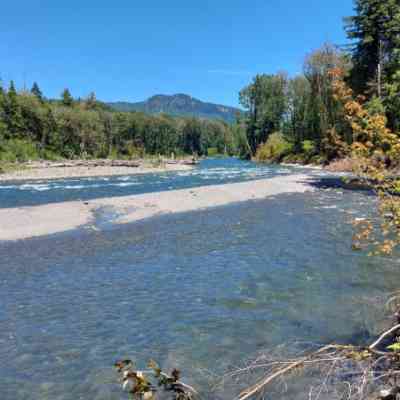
x: 82, y: 163
x: 103, y: 163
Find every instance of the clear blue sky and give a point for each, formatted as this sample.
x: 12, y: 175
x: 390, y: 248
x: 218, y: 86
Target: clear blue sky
x: 131, y: 49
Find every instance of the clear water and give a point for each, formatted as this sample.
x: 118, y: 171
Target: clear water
x: 210, y: 172
x: 200, y: 291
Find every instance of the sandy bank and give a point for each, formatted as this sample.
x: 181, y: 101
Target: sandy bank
x: 26, y: 222
x: 85, y: 172
x: 21, y: 223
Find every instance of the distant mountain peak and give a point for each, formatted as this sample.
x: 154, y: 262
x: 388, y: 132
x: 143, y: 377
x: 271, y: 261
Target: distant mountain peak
x: 179, y: 104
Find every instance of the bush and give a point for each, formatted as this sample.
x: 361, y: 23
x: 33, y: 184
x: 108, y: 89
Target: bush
x: 212, y: 152
x: 18, y: 150
x: 50, y: 155
x: 114, y: 155
x: 131, y: 151
x: 275, y: 148
x: 308, y: 147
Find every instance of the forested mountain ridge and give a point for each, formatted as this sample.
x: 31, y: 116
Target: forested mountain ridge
x: 179, y: 105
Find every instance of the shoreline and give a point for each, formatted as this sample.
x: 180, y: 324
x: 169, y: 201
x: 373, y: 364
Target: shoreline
x: 27, y: 222
x: 305, y: 166
x: 46, y: 171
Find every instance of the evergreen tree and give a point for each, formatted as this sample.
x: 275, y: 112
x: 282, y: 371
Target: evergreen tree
x: 13, y: 116
x: 2, y: 92
x: 70, y: 129
x: 37, y: 92
x: 66, y: 98
x: 375, y: 29
x: 91, y: 101
x: 2, y: 111
x: 2, y: 99
x: 192, y: 133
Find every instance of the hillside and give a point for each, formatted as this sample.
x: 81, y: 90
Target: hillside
x: 179, y: 104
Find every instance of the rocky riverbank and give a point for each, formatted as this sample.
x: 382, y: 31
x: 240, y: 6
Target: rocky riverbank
x: 91, y: 168
x: 26, y: 222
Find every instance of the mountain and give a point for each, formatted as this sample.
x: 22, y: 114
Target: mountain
x: 180, y: 105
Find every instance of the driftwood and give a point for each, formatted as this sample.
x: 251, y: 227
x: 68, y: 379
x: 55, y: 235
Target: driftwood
x: 343, y: 372
x: 384, y: 335
x: 85, y: 163
x: 99, y: 163
x: 189, y: 162
x: 286, y: 368
x: 366, y: 368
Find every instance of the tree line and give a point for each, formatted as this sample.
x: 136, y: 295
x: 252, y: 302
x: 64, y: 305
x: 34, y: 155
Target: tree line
x: 32, y: 126
x: 299, y: 117
x: 300, y: 114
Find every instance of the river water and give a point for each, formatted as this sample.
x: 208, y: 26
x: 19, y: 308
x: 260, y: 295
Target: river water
x: 210, y: 172
x: 200, y: 291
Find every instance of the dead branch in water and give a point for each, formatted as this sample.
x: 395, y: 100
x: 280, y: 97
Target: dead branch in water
x: 384, y: 335
x: 347, y: 372
x: 278, y: 371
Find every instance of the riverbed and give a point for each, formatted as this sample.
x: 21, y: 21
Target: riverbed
x: 201, y: 290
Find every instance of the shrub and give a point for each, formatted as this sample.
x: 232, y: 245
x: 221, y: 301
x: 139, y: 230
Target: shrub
x: 50, y: 155
x: 18, y: 150
x: 308, y: 147
x: 113, y: 155
x: 132, y: 151
x: 274, y: 149
x: 212, y: 152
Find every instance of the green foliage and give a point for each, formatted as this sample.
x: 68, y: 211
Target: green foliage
x: 191, y: 136
x: 48, y: 154
x: 375, y: 106
x: 274, y: 149
x: 87, y: 128
x: 324, y: 111
x: 12, y: 113
x: 297, y: 123
x: 266, y: 103
x: 20, y: 150
x: 375, y: 32
x: 308, y: 147
x: 303, y: 108
x: 392, y: 100
x: 394, y: 347
x: 66, y: 98
x: 153, y: 384
x: 37, y: 92
x: 213, y: 152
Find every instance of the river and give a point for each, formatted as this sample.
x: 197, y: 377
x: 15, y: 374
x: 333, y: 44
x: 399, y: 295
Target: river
x: 200, y: 291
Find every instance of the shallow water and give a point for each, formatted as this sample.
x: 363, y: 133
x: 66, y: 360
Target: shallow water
x: 199, y: 291
x: 209, y: 172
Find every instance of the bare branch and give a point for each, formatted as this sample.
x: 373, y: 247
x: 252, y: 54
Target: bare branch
x: 384, y: 335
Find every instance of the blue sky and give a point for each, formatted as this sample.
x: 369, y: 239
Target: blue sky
x: 130, y: 49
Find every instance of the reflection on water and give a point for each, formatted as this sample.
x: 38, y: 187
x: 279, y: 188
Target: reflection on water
x: 200, y: 291
x: 209, y: 172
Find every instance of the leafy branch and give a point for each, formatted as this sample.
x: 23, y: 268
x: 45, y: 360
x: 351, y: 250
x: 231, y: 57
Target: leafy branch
x: 147, y: 384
